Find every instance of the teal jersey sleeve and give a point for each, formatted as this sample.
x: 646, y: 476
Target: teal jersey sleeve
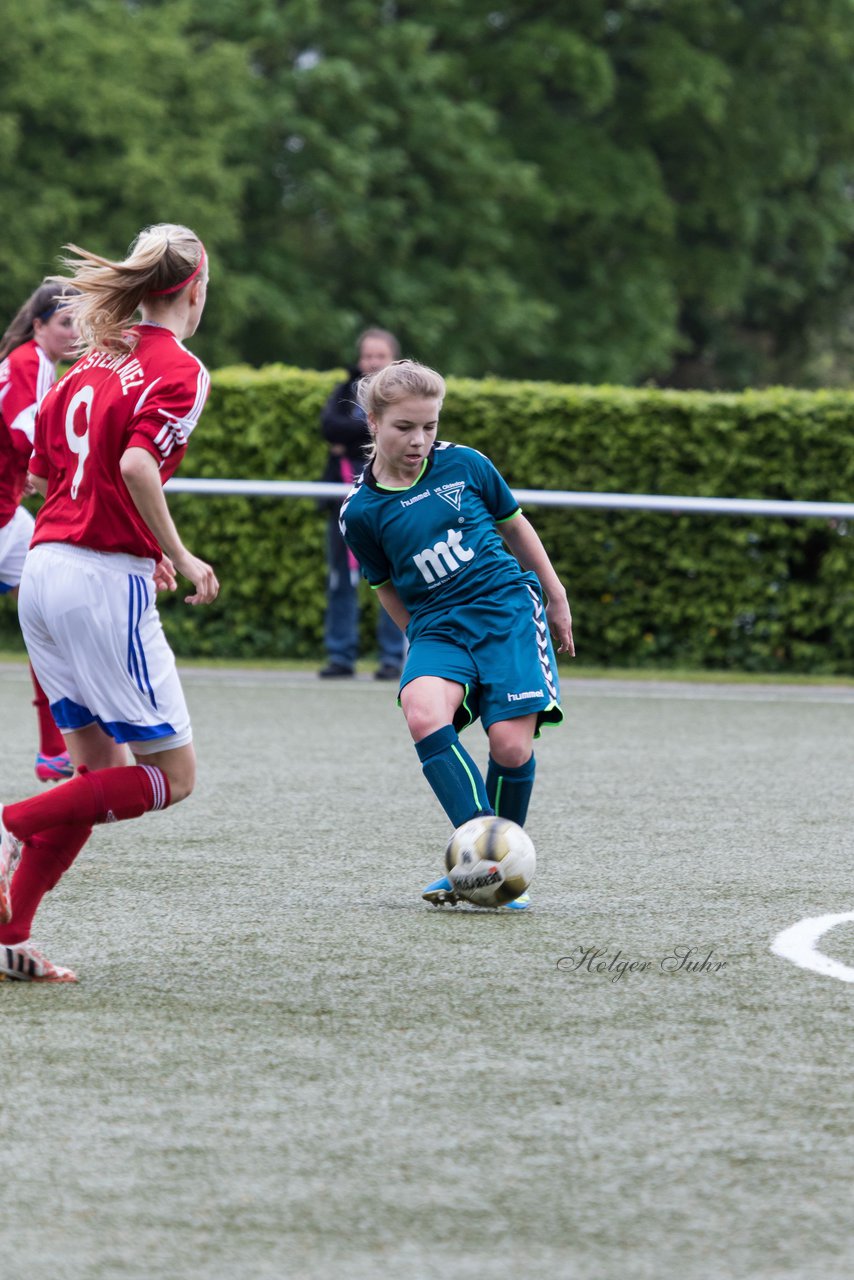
x: 357, y: 530
x: 497, y: 495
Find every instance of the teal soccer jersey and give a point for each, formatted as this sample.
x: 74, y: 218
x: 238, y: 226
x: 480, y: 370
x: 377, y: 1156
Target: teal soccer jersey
x: 476, y: 616
x: 476, y: 619
x: 437, y: 541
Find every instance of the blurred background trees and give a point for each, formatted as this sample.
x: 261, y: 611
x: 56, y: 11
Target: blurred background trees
x: 642, y: 190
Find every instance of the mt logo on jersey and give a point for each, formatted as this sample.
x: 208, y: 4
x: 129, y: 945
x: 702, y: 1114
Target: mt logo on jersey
x: 436, y: 562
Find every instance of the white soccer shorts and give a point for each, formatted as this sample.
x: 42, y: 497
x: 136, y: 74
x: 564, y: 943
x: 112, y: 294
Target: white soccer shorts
x: 14, y: 544
x: 96, y: 643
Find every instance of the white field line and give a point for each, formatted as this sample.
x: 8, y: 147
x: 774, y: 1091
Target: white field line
x: 798, y: 944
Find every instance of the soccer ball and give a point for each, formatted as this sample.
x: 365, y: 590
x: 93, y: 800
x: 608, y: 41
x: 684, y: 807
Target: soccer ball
x: 490, y: 861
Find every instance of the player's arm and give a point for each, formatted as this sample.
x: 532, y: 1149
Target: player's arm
x: 38, y: 470
x: 524, y: 541
x: 141, y: 475
x: 393, y: 605
x: 372, y: 560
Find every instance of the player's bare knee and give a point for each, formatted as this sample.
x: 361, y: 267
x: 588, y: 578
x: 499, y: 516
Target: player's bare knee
x: 182, y: 780
x: 509, y: 750
x: 512, y: 757
x: 421, y: 722
x: 179, y: 769
x: 420, y: 715
x: 180, y: 789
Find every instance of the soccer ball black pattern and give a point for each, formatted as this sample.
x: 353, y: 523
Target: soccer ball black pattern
x: 490, y: 861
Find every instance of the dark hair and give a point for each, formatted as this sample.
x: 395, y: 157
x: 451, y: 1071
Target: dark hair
x: 384, y: 336
x: 40, y: 305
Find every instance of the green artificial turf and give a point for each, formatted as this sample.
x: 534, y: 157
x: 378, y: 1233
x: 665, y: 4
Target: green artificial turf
x: 279, y: 1062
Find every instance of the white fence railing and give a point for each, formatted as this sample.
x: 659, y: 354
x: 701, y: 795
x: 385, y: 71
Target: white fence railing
x: 671, y: 503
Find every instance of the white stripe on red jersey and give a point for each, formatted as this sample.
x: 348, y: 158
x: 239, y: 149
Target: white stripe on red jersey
x: 26, y: 375
x: 46, y: 379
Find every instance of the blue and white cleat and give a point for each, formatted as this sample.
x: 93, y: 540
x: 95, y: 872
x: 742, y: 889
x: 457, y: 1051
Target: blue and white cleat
x: 441, y: 893
x: 518, y: 904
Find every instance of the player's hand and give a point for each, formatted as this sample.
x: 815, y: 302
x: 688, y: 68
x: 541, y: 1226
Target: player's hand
x: 202, y: 577
x: 29, y: 488
x: 164, y: 576
x: 560, y: 625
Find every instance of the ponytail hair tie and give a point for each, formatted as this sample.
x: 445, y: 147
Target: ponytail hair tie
x: 182, y: 284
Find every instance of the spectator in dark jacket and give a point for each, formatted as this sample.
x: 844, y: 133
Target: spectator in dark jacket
x: 346, y: 430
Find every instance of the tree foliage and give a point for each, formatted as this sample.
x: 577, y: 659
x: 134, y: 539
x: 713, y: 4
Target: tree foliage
x: 578, y: 190
x: 112, y: 117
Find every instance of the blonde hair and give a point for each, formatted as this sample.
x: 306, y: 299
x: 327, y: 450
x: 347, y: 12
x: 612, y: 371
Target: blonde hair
x: 396, y: 381
x: 160, y: 260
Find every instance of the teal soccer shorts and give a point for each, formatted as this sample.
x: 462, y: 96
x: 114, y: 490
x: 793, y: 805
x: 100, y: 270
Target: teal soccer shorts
x: 499, y: 650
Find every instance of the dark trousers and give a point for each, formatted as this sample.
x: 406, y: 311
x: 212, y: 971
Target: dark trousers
x: 342, y: 611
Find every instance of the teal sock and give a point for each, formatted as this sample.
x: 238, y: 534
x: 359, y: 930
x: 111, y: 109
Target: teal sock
x: 453, y: 775
x: 509, y: 790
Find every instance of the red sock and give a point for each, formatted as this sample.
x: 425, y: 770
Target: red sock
x: 106, y: 795
x: 51, y: 741
x: 44, y: 859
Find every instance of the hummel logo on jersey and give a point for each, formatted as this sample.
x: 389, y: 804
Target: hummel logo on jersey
x: 438, y: 561
x: 452, y: 493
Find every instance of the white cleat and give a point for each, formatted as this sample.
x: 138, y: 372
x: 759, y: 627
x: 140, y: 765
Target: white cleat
x: 25, y: 963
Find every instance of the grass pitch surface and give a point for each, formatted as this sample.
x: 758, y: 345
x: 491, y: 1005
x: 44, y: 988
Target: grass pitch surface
x: 280, y: 1063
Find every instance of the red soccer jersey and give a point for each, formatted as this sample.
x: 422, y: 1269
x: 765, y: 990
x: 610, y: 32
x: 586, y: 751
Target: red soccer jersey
x: 150, y: 399
x: 26, y: 375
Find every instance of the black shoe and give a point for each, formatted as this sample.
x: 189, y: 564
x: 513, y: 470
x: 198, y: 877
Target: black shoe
x: 335, y: 671
x: 387, y: 672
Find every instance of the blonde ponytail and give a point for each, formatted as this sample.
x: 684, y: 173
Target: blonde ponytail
x: 162, y: 260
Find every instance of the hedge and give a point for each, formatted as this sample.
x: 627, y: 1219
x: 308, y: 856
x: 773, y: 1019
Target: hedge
x: 646, y: 589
